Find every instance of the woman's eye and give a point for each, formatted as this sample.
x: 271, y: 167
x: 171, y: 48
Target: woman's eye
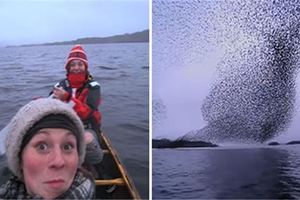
x: 42, y: 147
x: 68, y: 147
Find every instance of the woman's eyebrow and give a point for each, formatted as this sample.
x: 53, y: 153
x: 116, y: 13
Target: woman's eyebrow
x: 42, y: 132
x: 70, y: 133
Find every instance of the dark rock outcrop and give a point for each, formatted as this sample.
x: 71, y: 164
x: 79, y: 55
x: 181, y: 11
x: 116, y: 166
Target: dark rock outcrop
x: 165, y: 143
x: 293, y: 142
x: 273, y: 143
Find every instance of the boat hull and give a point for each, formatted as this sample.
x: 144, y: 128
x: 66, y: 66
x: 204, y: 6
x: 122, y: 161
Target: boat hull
x: 113, y: 173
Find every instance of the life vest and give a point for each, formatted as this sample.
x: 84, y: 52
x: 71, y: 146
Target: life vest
x: 87, y: 100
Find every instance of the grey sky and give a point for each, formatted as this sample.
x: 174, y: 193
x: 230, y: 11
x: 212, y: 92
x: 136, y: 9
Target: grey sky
x: 40, y: 21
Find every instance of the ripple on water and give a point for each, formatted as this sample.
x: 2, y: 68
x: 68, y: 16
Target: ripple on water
x: 106, y: 68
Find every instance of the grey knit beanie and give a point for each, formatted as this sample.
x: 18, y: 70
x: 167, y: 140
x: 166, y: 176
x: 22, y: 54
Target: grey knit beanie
x: 26, y: 117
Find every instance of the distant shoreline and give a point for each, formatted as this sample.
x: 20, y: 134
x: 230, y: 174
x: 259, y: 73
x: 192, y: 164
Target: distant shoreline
x: 166, y: 143
x: 136, y: 37
x: 171, y: 144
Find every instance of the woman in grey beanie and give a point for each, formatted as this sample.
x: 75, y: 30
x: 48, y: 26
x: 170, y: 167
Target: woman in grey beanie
x: 45, y: 148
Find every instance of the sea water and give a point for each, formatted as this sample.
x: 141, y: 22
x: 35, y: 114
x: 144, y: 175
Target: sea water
x: 252, y: 172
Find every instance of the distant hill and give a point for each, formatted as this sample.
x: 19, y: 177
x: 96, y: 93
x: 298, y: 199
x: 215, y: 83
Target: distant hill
x: 142, y: 36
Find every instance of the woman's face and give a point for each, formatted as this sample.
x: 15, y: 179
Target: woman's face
x: 49, y: 162
x: 76, y: 67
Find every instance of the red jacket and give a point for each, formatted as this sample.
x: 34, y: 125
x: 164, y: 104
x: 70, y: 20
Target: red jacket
x: 86, y: 101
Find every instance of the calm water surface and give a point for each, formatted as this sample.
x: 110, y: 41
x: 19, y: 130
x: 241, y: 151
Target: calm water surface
x: 230, y: 173
x: 122, y: 71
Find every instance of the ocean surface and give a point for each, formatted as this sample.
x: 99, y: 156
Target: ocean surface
x: 123, y: 73
x: 245, y: 172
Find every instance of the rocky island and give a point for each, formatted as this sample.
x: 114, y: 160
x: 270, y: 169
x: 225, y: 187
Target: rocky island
x: 166, y: 143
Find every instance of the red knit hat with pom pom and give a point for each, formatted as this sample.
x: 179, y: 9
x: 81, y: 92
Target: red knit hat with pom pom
x: 77, y: 53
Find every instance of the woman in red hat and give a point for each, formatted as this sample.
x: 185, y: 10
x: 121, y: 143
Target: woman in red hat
x: 83, y: 93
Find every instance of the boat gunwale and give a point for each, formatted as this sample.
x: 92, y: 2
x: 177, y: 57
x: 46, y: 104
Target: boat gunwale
x: 126, y: 179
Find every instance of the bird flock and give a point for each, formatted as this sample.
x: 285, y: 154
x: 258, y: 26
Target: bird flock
x: 253, y: 97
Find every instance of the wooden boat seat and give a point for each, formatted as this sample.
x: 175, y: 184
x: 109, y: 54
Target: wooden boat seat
x: 116, y: 181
